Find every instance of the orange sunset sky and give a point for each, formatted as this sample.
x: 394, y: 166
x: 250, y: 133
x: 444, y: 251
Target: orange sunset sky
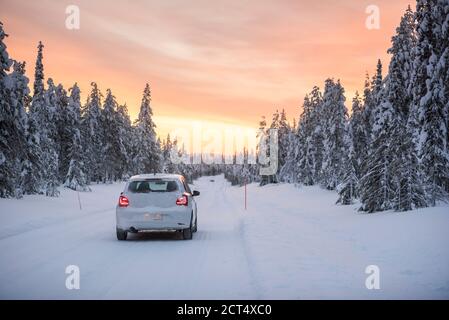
x: 221, y: 62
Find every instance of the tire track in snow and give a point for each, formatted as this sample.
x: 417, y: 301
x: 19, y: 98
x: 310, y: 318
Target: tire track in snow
x: 240, y: 224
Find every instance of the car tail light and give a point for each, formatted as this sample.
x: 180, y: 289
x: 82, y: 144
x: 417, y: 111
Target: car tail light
x: 182, y: 200
x: 123, y: 201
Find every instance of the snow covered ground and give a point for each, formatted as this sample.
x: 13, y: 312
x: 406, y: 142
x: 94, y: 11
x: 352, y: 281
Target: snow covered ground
x: 291, y: 243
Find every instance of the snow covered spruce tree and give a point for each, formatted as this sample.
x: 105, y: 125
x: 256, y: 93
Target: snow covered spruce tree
x: 358, y: 134
x: 56, y: 104
x: 405, y: 167
x: 347, y: 189
x: 147, y: 153
x: 368, y: 106
x: 401, y: 64
x: 92, y: 134
x: 13, y: 120
x: 305, y: 153
x: 377, y: 188
x: 430, y: 89
x: 63, y: 131
x: 310, y: 146
x: 377, y: 184
x: 6, y: 183
x: 125, y: 135
x: 317, y: 133
x: 407, y: 170
x: 75, y: 177
x: 113, y: 148
x: 33, y: 173
x: 288, y: 172
x: 283, y: 138
x: 17, y: 85
x: 376, y: 86
x: 42, y: 172
x: 167, y: 147
x: 49, y: 140
x: 355, y: 144
x: 335, y: 116
x: 371, y: 95
x: 5, y: 61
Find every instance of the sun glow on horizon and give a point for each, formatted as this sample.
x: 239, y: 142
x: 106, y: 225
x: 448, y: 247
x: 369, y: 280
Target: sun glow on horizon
x: 207, y: 136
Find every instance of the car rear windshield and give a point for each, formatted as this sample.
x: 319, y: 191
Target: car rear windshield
x: 152, y: 185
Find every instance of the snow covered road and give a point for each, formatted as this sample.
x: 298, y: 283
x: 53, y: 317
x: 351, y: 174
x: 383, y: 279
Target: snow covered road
x: 290, y: 243
x: 214, y: 265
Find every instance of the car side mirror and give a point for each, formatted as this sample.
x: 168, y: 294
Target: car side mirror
x: 195, y: 193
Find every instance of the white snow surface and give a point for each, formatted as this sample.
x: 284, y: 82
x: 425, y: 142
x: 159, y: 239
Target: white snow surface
x: 291, y: 243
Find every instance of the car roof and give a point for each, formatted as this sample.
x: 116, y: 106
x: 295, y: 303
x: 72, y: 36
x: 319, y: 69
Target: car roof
x: 155, y: 175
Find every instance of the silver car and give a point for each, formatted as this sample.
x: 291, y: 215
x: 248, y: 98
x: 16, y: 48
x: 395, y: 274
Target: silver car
x: 161, y: 202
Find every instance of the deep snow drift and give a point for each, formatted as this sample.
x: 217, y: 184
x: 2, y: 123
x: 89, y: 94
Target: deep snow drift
x: 291, y: 243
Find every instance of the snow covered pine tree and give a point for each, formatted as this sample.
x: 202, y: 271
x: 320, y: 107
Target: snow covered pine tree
x: 75, y: 177
x: 13, y: 120
x: 147, y: 150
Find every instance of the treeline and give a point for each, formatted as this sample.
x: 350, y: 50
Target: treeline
x: 392, y: 151
x: 50, y: 138
x: 236, y: 167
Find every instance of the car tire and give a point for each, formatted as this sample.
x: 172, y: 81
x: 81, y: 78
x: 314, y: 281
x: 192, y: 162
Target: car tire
x: 187, y: 234
x: 121, y: 234
x: 195, y: 228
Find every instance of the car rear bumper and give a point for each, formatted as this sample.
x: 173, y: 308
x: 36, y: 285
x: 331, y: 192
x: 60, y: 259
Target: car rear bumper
x: 145, y: 220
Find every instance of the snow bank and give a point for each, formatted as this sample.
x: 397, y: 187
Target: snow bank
x: 304, y: 246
